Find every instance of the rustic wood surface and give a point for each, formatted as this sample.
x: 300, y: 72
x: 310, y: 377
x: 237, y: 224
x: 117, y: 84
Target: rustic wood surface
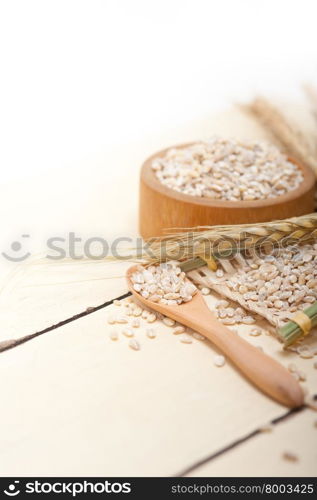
x: 76, y: 403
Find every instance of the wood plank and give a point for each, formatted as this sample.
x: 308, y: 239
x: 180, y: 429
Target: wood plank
x: 97, y: 196
x: 77, y: 403
x: 262, y: 456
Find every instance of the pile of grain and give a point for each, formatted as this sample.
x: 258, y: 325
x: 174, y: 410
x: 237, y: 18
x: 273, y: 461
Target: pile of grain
x: 228, y: 170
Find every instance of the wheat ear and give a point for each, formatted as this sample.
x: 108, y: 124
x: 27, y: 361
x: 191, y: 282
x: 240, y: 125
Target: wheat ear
x: 290, y: 137
x: 224, y: 240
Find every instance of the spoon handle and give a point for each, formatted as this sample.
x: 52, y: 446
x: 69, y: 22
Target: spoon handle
x: 263, y: 371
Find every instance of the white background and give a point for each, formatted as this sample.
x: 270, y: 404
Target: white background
x: 79, y: 77
x: 90, y: 88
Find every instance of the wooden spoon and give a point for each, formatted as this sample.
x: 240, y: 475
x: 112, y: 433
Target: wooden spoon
x: 263, y: 371
x: 179, y: 210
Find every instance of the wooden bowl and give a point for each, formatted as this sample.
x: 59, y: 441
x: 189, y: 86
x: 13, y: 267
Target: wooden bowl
x: 162, y: 208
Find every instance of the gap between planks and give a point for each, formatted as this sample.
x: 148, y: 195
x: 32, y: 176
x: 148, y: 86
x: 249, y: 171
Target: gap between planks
x: 238, y: 442
x: 5, y: 345
x: 10, y: 344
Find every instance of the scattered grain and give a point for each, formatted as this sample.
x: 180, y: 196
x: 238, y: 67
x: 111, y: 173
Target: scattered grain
x: 292, y: 368
x: 113, y: 335
x: 255, y: 332
x: 137, y: 311
x: 150, y: 332
x: 168, y: 321
x: 305, y: 352
x: 151, y: 318
x: 121, y: 319
x: 197, y: 336
x: 266, y: 428
x: 302, y: 376
x: 165, y: 283
x: 228, y: 321
x: 179, y: 329
x: 289, y: 456
x: 127, y: 332
x: 222, y: 304
x: 219, y: 361
x: 185, y: 339
x: 248, y: 320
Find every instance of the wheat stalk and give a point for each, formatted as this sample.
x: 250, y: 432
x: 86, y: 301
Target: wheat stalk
x: 222, y: 241
x: 200, y: 241
x: 311, y: 93
x: 290, y: 137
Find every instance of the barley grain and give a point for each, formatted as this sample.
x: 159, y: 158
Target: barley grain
x: 151, y: 318
x: 121, y: 319
x: 137, y: 311
x: 255, y: 332
x: 222, y: 313
x: 127, y: 332
x: 292, y: 368
x: 222, y: 304
x: 111, y: 319
x: 305, y: 352
x: 219, y: 361
x: 185, y: 339
x: 289, y: 456
x: 168, y: 321
x: 228, y: 321
x: 150, y: 333
x: 197, y: 336
x: 248, y: 320
x: 134, y: 344
x: 179, y: 329
x: 113, y: 334
x: 266, y: 428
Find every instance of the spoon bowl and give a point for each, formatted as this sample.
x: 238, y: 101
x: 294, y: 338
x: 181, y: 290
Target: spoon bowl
x: 264, y: 372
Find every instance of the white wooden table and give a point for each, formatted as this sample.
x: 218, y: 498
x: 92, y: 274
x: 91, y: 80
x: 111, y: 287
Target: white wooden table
x: 76, y: 403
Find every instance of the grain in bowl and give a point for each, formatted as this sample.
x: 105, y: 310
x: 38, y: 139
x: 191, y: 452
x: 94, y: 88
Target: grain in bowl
x: 228, y: 170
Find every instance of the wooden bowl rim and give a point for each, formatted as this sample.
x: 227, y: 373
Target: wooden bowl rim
x: 148, y: 176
